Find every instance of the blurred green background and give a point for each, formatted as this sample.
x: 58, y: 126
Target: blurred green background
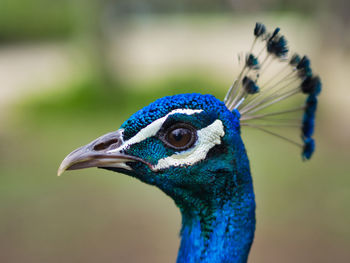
x: 72, y: 70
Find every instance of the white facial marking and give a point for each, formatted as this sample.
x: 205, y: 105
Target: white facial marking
x: 208, y: 137
x: 152, y: 129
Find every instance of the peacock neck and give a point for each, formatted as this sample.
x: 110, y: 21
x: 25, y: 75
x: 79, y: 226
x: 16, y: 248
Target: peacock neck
x: 221, y: 229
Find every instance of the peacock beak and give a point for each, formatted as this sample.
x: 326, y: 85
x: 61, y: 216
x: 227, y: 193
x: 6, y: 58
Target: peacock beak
x: 96, y: 154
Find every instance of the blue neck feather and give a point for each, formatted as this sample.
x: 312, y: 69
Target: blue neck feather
x: 218, y: 223
x: 223, y: 234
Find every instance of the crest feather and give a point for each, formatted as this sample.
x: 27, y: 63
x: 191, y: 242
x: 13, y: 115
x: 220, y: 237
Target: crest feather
x: 267, y: 79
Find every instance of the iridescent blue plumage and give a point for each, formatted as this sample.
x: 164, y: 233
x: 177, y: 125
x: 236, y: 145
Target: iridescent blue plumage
x: 161, y: 106
x: 252, y: 62
x: 295, y: 59
x: 259, y: 29
x: 303, y: 67
x: 215, y: 195
x: 190, y: 147
x: 250, y: 86
x: 309, y: 148
x: 277, y: 46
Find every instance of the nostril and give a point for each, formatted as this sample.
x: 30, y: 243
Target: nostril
x: 104, y: 145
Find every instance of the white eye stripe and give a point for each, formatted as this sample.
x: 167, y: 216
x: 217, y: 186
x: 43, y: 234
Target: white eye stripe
x: 208, y: 137
x: 152, y: 129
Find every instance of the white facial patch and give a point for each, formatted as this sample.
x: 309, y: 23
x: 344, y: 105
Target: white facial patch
x: 152, y: 129
x: 208, y: 137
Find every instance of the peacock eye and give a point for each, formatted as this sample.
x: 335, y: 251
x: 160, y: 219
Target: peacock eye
x: 180, y: 137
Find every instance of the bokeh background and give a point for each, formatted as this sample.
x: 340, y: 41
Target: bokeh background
x: 72, y: 70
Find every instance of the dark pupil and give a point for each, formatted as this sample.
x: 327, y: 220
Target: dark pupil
x: 179, y: 137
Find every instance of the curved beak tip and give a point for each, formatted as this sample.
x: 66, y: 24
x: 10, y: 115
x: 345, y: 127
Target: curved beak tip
x: 71, y: 160
x: 60, y: 171
x: 63, y: 167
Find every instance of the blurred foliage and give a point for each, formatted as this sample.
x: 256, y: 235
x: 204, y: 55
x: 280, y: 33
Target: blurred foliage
x: 88, y: 96
x: 208, y: 6
x: 45, y: 19
x: 34, y: 19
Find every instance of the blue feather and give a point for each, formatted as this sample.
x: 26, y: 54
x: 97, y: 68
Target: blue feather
x: 304, y: 63
x: 311, y: 85
x: 275, y: 33
x: 249, y: 85
x: 259, y: 29
x: 277, y: 46
x: 252, y: 62
x: 309, y: 148
x: 311, y: 105
x: 308, y: 125
x: 295, y: 59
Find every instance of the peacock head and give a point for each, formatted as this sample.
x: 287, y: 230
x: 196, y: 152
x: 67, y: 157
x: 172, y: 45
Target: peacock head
x: 184, y: 144
x: 189, y: 145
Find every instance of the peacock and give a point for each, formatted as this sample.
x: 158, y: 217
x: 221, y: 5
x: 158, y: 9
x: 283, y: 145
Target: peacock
x: 190, y: 146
